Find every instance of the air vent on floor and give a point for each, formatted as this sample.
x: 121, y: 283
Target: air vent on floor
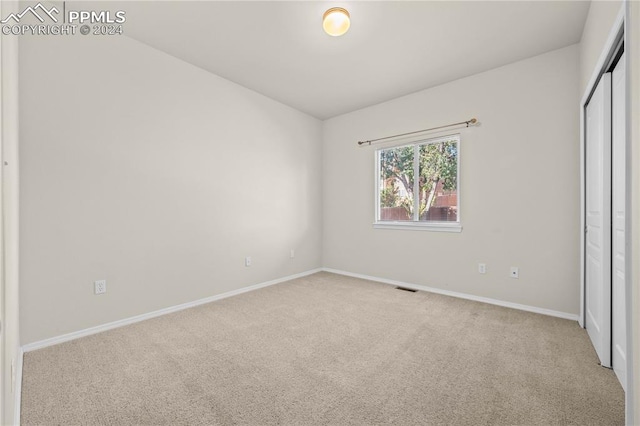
x: 406, y: 289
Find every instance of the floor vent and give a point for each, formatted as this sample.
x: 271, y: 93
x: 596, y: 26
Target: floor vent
x: 406, y: 289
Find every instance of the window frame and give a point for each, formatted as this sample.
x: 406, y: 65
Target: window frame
x: 438, y: 226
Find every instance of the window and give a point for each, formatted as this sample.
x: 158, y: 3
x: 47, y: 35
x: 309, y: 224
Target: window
x: 428, y: 168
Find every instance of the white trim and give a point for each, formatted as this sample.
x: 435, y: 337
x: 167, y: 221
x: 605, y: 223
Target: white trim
x: 420, y: 226
x: 132, y: 320
x: 631, y: 35
x: 17, y: 392
x: 9, y: 206
x: 583, y: 222
x: 527, y: 308
x: 416, y: 182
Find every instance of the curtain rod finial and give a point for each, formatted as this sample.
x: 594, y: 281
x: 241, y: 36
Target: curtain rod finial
x: 473, y: 121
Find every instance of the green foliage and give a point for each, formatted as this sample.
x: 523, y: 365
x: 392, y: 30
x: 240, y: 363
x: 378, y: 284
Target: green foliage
x: 438, y: 163
x: 398, y: 163
x: 389, y: 194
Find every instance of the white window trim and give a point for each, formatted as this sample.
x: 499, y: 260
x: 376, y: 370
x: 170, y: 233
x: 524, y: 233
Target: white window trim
x: 420, y: 226
x: 415, y: 224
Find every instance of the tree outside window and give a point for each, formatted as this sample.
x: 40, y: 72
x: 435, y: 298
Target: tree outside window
x: 434, y: 163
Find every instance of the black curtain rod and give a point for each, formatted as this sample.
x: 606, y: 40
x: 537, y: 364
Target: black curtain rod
x: 467, y: 122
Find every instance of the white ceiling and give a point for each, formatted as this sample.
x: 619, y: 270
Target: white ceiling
x: 392, y: 49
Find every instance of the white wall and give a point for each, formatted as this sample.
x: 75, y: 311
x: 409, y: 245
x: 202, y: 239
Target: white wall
x: 157, y: 176
x: 602, y: 15
x: 519, y: 187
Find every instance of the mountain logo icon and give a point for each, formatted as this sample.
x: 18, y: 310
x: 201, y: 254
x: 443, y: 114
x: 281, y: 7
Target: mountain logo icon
x: 37, y: 11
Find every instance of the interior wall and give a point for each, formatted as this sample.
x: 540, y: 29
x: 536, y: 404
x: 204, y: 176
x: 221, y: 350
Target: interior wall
x: 519, y: 187
x: 601, y: 17
x: 157, y: 176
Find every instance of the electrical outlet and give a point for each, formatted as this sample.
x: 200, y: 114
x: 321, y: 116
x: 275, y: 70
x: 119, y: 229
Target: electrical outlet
x: 292, y: 254
x: 482, y: 268
x: 514, y: 273
x: 247, y: 261
x: 100, y: 286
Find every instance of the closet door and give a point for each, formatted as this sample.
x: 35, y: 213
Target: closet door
x: 598, y: 220
x: 619, y: 330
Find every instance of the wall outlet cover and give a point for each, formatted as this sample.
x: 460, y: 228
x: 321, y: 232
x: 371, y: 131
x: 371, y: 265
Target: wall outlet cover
x: 514, y: 273
x: 100, y: 286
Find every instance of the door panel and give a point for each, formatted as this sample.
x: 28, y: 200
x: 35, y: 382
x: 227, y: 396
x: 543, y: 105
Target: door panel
x: 619, y: 338
x: 598, y: 220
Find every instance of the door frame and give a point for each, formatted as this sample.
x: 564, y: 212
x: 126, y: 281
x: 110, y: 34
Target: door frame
x: 11, y: 366
x: 617, y: 33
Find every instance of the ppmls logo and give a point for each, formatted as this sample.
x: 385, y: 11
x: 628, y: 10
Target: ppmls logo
x: 46, y: 22
x: 33, y: 11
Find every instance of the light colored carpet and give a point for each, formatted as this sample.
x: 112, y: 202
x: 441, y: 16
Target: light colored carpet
x: 327, y: 349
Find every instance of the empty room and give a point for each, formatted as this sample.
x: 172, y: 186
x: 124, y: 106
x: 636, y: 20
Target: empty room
x: 318, y: 212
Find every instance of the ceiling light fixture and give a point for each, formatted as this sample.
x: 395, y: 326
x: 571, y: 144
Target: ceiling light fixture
x: 336, y: 21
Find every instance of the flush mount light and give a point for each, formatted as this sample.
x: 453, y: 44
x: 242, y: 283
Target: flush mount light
x: 336, y: 21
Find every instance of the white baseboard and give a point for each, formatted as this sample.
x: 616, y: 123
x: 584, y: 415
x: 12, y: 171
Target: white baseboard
x: 131, y: 320
x: 512, y: 305
x: 120, y: 323
x: 17, y: 391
